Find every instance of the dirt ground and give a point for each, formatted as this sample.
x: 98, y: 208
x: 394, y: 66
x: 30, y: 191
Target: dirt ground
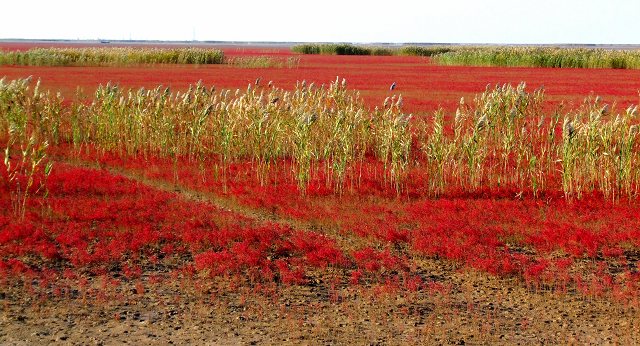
x: 472, y: 309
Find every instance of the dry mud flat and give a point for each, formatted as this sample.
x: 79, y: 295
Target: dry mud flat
x: 469, y: 308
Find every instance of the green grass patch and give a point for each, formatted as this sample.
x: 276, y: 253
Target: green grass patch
x: 110, y: 56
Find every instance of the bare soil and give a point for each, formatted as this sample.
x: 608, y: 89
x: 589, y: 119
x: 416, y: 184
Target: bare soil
x: 474, y: 309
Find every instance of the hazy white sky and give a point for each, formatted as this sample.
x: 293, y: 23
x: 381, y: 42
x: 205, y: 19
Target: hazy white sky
x: 461, y: 21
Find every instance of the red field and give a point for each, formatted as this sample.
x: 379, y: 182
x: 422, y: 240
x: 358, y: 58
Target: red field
x: 157, y: 250
x: 424, y: 86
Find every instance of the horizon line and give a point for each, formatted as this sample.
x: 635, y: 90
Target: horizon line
x: 249, y: 42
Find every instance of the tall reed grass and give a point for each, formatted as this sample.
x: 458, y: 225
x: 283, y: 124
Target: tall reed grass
x: 263, y: 62
x: 555, y: 57
x: 351, y: 49
x: 110, y: 56
x: 29, y: 123
x: 502, y: 140
x: 541, y: 57
x: 341, y: 49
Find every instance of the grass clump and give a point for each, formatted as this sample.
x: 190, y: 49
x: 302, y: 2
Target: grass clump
x: 263, y: 62
x: 110, y: 56
x: 553, y: 57
x: 541, y: 57
x: 341, y: 49
x: 427, y: 51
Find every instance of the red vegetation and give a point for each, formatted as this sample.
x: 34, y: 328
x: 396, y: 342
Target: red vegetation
x: 547, y: 242
x: 423, y: 85
x: 94, y: 224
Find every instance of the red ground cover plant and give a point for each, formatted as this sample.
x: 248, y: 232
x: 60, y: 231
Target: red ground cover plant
x: 93, y: 223
x: 588, y: 245
x: 93, y: 226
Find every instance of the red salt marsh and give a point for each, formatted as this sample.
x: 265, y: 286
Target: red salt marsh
x: 150, y: 249
x: 424, y: 85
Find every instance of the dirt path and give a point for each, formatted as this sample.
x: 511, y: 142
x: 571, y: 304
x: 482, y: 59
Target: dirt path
x: 261, y: 216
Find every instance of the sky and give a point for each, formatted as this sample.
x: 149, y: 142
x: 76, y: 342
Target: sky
x: 395, y: 21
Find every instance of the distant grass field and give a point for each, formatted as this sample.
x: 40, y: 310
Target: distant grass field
x: 555, y: 57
